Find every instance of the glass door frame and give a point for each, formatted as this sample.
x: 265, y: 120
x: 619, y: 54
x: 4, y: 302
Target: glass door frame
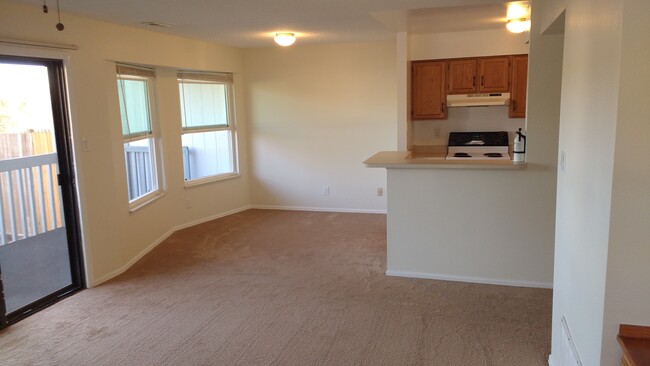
x: 67, y: 184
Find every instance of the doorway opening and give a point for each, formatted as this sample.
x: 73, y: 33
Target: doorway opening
x: 40, y: 247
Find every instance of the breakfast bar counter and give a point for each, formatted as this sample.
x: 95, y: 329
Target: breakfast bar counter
x: 433, y: 160
x: 467, y: 220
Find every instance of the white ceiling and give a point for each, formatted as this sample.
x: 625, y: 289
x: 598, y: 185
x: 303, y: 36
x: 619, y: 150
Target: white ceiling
x: 251, y: 23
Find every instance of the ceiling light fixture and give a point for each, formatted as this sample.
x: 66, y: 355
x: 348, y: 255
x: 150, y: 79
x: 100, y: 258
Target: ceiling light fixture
x: 285, y: 39
x: 518, y: 25
x: 518, y: 17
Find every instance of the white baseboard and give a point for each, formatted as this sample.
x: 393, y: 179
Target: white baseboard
x: 318, y: 209
x: 482, y: 280
x: 210, y: 218
x: 149, y: 248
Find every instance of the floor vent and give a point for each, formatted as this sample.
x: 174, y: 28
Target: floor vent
x: 568, y: 355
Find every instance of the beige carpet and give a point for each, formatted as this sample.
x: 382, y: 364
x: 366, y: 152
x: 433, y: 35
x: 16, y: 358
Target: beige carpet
x: 283, y: 288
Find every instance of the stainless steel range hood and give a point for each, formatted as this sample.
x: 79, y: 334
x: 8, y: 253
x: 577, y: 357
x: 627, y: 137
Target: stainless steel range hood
x: 478, y: 100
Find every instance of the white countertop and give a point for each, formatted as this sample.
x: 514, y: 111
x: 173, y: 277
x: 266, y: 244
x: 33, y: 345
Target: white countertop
x: 423, y: 160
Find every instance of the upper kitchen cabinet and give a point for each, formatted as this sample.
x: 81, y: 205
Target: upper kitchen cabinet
x: 461, y: 76
x: 478, y: 75
x: 494, y: 72
x: 519, y: 82
x: 428, y: 97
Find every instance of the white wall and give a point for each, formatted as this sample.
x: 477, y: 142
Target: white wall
x: 493, y: 118
x: 590, y: 91
x: 486, y: 226
x: 114, y: 237
x: 466, y: 44
x: 627, y: 297
x: 316, y: 113
x: 403, y: 76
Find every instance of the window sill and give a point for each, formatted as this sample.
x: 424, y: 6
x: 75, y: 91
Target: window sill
x: 144, y: 201
x: 207, y: 180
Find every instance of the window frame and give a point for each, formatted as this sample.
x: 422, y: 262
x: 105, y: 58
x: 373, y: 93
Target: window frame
x: 139, y: 73
x: 226, y: 79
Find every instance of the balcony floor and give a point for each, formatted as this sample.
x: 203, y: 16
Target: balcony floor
x: 35, y: 267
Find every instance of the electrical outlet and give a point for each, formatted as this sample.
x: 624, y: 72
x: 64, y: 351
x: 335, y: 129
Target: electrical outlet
x: 436, y: 132
x: 188, y: 203
x: 380, y: 191
x: 326, y: 190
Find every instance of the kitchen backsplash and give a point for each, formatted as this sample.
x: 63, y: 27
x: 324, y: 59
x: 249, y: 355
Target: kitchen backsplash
x: 467, y: 119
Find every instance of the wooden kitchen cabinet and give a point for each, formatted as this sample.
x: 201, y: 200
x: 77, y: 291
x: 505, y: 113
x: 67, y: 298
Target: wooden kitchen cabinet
x: 494, y: 74
x: 478, y: 75
x: 428, y: 97
x: 462, y: 76
x: 519, y: 82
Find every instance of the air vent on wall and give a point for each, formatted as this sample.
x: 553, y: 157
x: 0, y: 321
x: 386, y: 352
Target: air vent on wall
x: 156, y: 24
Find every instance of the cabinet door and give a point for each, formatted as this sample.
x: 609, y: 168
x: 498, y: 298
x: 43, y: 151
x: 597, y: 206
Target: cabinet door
x: 462, y: 76
x: 428, y: 98
x: 519, y: 82
x: 494, y: 72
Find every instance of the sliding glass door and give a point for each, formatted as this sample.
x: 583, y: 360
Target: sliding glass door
x: 40, y: 258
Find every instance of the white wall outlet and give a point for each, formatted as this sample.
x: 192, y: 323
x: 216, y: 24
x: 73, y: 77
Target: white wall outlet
x: 188, y: 203
x: 326, y: 190
x: 436, y: 132
x: 380, y: 191
x: 563, y: 161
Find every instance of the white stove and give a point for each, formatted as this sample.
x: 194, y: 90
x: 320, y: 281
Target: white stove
x: 478, y: 146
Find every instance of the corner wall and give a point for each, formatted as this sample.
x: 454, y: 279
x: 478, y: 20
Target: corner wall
x: 316, y: 113
x: 627, y: 299
x: 589, y: 107
x: 113, y: 237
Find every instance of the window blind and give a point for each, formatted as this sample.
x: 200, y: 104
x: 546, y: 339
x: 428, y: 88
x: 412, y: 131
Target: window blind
x: 187, y: 76
x: 130, y: 70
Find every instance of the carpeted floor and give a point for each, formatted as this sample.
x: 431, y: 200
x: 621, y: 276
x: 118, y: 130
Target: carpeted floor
x: 283, y: 288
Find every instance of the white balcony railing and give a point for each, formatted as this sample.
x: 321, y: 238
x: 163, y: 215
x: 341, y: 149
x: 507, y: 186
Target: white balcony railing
x: 138, y: 171
x: 30, y: 198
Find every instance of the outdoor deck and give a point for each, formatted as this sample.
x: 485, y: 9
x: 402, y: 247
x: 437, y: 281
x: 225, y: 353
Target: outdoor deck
x: 34, y: 267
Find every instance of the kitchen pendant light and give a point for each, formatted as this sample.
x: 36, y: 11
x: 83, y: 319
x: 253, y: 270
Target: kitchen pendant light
x: 285, y: 39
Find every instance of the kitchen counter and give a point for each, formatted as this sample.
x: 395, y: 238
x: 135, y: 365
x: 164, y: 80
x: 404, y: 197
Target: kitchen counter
x: 434, y: 160
x: 466, y: 220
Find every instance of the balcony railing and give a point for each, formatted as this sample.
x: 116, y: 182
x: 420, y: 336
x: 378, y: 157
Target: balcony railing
x: 138, y: 171
x: 30, y: 198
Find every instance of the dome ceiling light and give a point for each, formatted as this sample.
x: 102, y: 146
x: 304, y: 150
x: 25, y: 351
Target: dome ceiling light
x: 518, y: 17
x: 285, y: 39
